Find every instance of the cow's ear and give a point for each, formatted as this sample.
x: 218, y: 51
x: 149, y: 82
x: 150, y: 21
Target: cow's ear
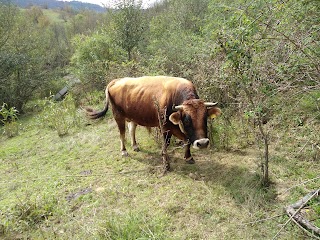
x: 175, y: 118
x: 214, y: 112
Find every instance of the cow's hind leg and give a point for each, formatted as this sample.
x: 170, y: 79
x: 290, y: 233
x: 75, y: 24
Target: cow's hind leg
x: 122, y: 129
x: 132, y: 131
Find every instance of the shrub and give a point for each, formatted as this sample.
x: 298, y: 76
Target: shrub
x: 93, y: 58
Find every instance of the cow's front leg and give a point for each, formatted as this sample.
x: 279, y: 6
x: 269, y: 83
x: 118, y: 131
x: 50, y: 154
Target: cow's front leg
x: 187, y: 154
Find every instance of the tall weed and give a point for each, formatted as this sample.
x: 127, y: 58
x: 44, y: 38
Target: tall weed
x: 9, y: 117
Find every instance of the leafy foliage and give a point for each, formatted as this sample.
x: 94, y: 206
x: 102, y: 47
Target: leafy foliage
x: 7, y: 14
x: 25, y: 63
x: 8, y: 114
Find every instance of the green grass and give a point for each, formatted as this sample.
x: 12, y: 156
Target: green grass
x: 53, y: 15
x: 79, y: 187
x: 314, y: 211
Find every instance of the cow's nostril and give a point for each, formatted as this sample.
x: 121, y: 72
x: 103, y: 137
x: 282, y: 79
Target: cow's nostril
x: 198, y: 144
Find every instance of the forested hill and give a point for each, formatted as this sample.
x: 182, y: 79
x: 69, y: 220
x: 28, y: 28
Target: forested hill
x: 52, y: 4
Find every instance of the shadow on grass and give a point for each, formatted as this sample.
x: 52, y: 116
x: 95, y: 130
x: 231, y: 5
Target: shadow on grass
x: 241, y: 181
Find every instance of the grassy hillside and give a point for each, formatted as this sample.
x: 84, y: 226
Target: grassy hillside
x: 79, y: 187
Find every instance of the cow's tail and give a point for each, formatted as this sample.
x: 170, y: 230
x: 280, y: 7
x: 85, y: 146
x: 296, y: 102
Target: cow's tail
x: 93, y: 114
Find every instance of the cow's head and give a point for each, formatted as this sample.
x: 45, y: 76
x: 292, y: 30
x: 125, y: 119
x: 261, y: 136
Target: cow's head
x: 191, y: 117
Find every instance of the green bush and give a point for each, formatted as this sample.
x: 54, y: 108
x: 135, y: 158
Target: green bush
x: 231, y: 131
x: 94, y: 55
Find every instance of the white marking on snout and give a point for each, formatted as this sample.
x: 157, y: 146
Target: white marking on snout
x: 201, y: 143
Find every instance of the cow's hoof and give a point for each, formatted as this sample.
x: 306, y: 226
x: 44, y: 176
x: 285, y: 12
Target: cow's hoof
x: 190, y: 161
x: 124, y: 153
x: 136, y: 149
x: 167, y: 167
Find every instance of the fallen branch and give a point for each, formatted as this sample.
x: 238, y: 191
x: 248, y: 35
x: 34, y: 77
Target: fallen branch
x: 298, y: 218
x: 305, y: 230
x: 293, y: 213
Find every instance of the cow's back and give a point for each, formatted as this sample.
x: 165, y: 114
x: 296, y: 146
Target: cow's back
x: 136, y: 99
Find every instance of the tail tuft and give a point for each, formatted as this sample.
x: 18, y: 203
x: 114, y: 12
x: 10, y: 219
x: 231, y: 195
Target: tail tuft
x: 93, y: 114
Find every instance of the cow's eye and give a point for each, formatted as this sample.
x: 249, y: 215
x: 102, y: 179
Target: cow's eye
x: 186, y: 121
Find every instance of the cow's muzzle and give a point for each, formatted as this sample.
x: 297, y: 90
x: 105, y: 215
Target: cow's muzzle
x: 201, y: 143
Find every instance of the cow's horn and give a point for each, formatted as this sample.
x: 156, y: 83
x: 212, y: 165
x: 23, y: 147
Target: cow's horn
x: 210, y: 104
x: 176, y: 108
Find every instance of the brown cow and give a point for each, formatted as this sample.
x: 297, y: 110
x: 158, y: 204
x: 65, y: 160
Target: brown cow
x: 138, y: 101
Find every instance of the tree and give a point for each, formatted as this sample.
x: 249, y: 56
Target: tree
x: 83, y: 22
x: 25, y: 63
x: 265, y: 53
x: 7, y: 15
x: 174, y: 37
x: 129, y: 25
x: 35, y: 13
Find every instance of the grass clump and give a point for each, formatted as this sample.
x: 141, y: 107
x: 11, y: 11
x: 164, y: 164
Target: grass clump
x: 28, y: 213
x: 134, y: 225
